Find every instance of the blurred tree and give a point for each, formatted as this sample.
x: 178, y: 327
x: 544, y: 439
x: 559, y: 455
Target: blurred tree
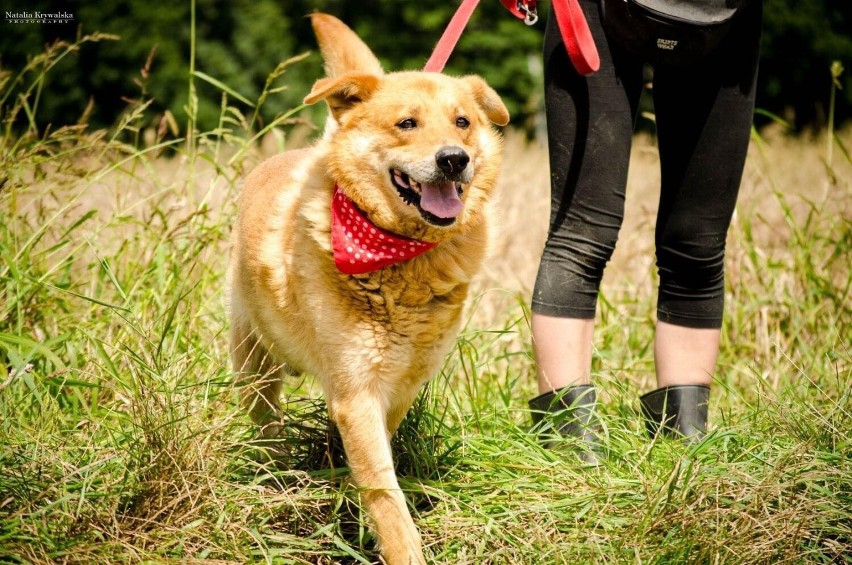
x: 239, y: 42
x: 495, y: 44
x: 800, y: 41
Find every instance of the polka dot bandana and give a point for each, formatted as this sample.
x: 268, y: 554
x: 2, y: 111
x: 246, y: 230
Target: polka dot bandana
x: 360, y: 246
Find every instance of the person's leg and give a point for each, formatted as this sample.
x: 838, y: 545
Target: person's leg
x: 590, y: 124
x: 704, y: 115
x: 563, y: 351
x: 685, y: 356
x: 685, y: 360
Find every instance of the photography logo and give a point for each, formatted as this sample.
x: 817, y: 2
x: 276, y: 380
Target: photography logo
x: 26, y: 17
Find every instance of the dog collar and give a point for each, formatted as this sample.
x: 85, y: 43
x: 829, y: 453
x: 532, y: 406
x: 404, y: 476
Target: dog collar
x: 362, y: 247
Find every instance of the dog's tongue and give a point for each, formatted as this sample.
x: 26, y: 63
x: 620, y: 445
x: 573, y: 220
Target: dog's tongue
x: 441, y: 200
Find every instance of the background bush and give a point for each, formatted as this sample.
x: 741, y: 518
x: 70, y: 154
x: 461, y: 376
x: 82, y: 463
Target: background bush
x: 240, y: 42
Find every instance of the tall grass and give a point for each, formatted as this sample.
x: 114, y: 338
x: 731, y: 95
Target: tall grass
x: 121, y: 439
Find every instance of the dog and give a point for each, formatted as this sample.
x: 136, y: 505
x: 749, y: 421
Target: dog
x: 352, y: 258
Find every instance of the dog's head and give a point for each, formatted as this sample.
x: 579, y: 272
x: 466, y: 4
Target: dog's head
x: 415, y: 151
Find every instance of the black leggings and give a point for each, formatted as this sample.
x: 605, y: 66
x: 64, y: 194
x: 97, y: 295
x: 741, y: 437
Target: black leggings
x: 703, y: 115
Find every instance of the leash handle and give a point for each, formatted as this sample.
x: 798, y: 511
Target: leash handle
x: 577, y: 36
x: 451, y: 35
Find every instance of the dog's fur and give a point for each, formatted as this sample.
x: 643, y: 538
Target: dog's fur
x: 373, y: 339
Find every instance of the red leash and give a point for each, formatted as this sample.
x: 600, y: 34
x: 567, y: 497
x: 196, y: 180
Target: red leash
x: 577, y: 36
x: 447, y: 43
x: 569, y: 16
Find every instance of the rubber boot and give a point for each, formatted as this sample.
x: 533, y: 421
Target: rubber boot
x: 681, y: 411
x: 571, y: 412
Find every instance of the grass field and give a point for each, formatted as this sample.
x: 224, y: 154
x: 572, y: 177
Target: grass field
x: 121, y: 440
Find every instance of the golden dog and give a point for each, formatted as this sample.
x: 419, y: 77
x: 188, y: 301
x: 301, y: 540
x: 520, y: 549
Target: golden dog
x: 352, y: 259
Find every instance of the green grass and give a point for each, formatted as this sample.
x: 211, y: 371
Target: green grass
x: 121, y: 439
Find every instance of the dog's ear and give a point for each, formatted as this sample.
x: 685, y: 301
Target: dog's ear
x: 342, y: 51
x: 344, y: 92
x: 488, y: 100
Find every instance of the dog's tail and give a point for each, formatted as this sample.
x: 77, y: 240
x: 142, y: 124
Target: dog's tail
x: 342, y: 50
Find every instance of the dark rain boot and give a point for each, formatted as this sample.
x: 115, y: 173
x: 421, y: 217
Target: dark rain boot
x: 681, y: 410
x: 570, y: 411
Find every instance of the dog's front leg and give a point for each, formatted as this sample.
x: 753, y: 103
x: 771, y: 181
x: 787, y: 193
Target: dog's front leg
x: 362, y: 422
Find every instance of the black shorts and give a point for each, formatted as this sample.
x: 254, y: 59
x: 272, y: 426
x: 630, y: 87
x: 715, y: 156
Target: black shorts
x: 703, y: 116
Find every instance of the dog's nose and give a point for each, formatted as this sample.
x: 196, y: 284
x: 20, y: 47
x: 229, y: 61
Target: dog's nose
x: 452, y: 159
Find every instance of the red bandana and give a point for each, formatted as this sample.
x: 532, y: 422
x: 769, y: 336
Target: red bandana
x: 361, y: 247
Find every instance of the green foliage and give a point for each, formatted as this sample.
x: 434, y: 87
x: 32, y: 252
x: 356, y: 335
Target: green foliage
x: 240, y: 42
x: 800, y: 42
x: 494, y: 45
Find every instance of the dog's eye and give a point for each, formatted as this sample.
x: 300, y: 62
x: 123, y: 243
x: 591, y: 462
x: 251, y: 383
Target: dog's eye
x: 462, y: 122
x: 408, y: 123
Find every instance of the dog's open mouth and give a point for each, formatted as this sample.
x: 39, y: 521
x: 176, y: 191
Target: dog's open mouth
x: 438, y: 203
